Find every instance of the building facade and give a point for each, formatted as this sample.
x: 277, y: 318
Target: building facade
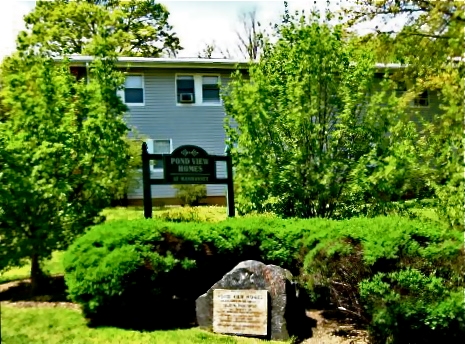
x: 175, y: 102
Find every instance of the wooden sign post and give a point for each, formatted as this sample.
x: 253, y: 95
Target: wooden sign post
x: 186, y: 165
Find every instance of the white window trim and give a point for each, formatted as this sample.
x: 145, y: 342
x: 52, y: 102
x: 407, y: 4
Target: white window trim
x: 121, y: 92
x: 197, y: 89
x: 151, y: 150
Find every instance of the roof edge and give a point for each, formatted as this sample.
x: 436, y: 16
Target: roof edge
x: 161, y: 62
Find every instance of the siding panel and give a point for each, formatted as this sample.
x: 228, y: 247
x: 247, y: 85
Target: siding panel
x: 162, y: 118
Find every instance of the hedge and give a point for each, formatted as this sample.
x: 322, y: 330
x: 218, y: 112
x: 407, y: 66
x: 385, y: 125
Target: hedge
x: 133, y: 273
x: 387, y: 271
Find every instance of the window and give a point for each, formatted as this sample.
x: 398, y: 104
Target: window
x: 185, y: 89
x: 210, y: 89
x: 198, y: 89
x: 401, y: 89
x: 160, y: 147
x: 133, y: 92
x: 421, y: 100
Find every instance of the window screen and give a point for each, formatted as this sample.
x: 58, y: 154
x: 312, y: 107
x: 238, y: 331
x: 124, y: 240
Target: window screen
x: 133, y: 89
x: 210, y: 89
x: 160, y: 147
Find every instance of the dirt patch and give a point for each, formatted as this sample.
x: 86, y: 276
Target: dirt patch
x: 332, y: 328
x: 38, y: 304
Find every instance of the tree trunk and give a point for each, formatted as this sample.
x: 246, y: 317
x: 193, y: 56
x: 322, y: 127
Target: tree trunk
x: 37, y: 276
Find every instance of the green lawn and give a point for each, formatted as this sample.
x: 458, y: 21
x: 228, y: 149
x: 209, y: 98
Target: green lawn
x: 60, y: 325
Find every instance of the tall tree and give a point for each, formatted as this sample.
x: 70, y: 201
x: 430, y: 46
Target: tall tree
x: 141, y: 28
x: 430, y: 44
x: 62, y: 152
x: 303, y: 131
x: 249, y: 35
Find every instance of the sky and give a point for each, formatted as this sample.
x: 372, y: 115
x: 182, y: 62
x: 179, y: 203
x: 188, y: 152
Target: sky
x: 195, y: 22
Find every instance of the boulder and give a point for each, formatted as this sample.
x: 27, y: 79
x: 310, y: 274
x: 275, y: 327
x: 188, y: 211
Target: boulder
x: 286, y: 315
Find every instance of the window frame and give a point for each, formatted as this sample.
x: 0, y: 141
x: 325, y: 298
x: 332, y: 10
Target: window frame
x: 122, y: 94
x: 428, y: 98
x: 151, y: 146
x: 406, y: 88
x: 198, y: 89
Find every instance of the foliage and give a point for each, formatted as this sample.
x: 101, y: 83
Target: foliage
x: 409, y: 304
x: 133, y: 174
x: 191, y: 194
x: 139, y: 28
x: 56, y: 325
x: 52, y: 266
x: 122, y: 268
x: 385, y: 271
x: 192, y: 214
x: 327, y: 142
x: 152, y: 260
x: 430, y: 44
x: 62, y: 151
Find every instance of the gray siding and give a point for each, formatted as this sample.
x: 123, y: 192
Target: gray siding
x: 162, y: 118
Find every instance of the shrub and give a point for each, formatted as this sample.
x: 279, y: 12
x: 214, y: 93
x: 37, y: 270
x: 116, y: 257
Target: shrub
x: 376, y: 256
x: 191, y: 194
x: 121, y: 271
x: 193, y: 214
x: 409, y: 304
x: 376, y: 268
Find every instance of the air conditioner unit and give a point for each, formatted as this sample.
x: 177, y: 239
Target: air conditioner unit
x: 186, y: 98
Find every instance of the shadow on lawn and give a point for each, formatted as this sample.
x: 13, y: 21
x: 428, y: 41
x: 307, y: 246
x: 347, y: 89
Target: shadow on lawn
x: 52, y: 290
x: 149, y: 315
x: 141, y: 315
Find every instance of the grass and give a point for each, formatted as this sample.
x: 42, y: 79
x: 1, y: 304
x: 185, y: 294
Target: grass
x: 59, y: 325
x: 52, y: 266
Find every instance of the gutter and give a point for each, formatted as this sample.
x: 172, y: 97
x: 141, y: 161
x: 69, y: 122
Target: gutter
x: 147, y: 62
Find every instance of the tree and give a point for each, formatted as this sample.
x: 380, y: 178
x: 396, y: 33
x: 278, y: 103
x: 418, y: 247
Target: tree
x: 63, y: 153
x: 67, y: 27
x: 431, y: 45
x: 249, y: 35
x: 210, y: 49
x: 306, y: 138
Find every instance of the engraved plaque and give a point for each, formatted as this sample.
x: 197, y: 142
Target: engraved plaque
x: 240, y: 312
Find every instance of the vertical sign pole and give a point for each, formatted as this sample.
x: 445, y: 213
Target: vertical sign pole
x: 231, y: 207
x: 146, y: 182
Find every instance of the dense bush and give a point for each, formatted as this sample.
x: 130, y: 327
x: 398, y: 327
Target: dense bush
x: 408, y: 306
x: 193, y: 214
x: 387, y: 271
x: 191, y: 194
x: 121, y: 268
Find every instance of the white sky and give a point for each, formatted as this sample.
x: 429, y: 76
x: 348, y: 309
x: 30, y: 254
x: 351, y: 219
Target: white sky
x: 195, y: 22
